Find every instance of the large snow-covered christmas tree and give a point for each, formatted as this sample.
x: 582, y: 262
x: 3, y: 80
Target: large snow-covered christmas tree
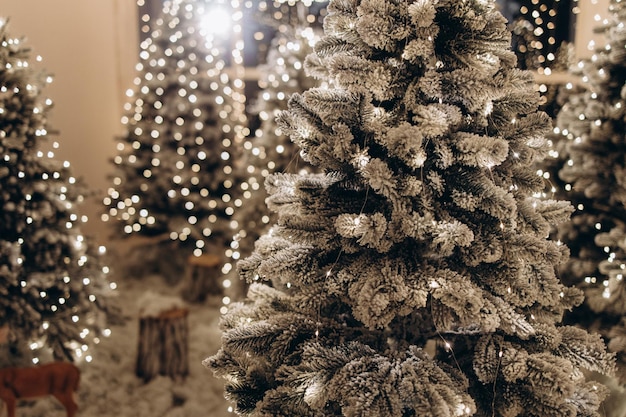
x: 177, y: 168
x: 593, y: 150
x: 414, y: 277
x: 53, y: 283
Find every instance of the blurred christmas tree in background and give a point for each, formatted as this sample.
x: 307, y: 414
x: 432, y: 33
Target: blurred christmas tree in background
x: 592, y: 149
x: 542, y: 40
x: 539, y: 30
x: 53, y: 286
x: 281, y: 75
x: 179, y: 168
x: 413, y: 276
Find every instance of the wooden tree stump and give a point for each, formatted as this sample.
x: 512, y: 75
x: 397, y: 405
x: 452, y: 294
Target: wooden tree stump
x: 202, y: 278
x: 4, y: 333
x: 163, y: 344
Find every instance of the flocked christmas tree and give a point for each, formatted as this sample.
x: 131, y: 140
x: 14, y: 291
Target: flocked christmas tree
x: 177, y: 168
x: 282, y: 75
x: 53, y: 285
x: 414, y: 277
x: 593, y: 173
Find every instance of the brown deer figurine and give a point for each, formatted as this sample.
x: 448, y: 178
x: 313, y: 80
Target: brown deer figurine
x: 59, y: 379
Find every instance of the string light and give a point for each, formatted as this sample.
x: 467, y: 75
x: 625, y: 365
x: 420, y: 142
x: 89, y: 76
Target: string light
x: 51, y: 189
x: 264, y: 156
x: 192, y: 29
x: 538, y: 36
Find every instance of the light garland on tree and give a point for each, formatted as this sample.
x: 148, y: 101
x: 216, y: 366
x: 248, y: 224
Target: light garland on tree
x: 229, y: 45
x: 541, y: 40
x: 45, y: 304
x: 538, y: 32
x: 269, y: 151
x: 200, y: 106
x: 587, y: 168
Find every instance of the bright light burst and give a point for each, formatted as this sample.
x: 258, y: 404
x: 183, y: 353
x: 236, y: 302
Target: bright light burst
x: 217, y: 21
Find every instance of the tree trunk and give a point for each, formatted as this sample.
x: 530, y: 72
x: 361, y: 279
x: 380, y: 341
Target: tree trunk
x: 163, y: 345
x: 202, y: 278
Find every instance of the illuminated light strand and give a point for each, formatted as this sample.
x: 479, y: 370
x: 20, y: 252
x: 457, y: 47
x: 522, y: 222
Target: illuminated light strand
x: 137, y: 215
x: 47, y: 198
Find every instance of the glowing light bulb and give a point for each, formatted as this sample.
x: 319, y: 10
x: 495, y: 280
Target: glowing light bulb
x: 216, y: 21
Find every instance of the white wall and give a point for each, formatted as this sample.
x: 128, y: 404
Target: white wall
x: 90, y: 47
x: 590, y: 16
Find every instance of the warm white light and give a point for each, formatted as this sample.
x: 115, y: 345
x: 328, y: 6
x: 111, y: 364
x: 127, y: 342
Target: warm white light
x: 216, y: 21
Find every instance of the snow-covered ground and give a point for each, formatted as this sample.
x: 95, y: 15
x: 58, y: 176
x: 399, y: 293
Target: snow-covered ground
x: 109, y: 387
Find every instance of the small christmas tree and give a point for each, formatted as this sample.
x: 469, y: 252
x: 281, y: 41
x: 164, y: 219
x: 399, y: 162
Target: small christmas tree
x: 281, y: 75
x: 593, y: 148
x: 271, y: 151
x: 177, y: 165
x: 414, y: 276
x: 52, y: 279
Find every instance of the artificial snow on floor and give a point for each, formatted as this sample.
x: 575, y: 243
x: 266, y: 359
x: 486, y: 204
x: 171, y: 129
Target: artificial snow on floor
x: 109, y: 387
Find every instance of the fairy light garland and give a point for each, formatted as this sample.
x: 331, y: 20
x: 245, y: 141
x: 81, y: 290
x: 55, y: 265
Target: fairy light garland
x: 228, y: 55
x: 46, y: 169
x: 539, y: 34
x: 608, y: 281
x: 259, y: 161
x: 187, y: 188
